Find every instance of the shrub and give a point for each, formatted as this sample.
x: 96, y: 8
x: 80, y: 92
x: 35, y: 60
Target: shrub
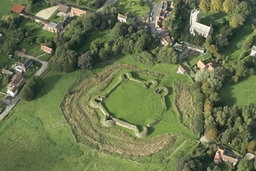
x: 31, y: 88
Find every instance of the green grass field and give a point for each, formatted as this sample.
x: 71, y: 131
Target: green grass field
x: 134, y: 8
x: 239, y: 94
x: 134, y: 103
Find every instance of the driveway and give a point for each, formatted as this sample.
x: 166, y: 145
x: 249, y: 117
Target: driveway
x: 16, y: 99
x: 155, y: 10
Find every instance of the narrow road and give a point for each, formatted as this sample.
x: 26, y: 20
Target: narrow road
x: 16, y: 99
x: 106, y: 3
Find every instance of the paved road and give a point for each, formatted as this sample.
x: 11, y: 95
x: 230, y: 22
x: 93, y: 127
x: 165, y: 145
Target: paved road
x: 17, y: 98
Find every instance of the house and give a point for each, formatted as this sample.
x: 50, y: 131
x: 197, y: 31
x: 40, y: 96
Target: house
x: 64, y: 9
x: 181, y: 70
x: 122, y: 18
x: 46, y: 49
x: 201, y: 65
x: 197, y: 27
x: 18, y: 8
x: 54, y: 27
x: 198, y: 49
x: 164, y: 13
x: 77, y: 11
x: 24, y: 67
x: 178, y: 47
x: 166, y: 39
x: 16, y: 82
x: 222, y: 156
x: 7, y: 72
x: 253, y: 51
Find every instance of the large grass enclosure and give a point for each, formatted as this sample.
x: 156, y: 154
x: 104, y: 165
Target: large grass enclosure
x: 239, y: 94
x: 134, y: 103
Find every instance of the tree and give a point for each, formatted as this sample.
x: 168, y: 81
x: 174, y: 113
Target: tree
x: 216, y: 5
x: 204, y: 5
x: 244, y: 8
x: 78, y: 2
x: 118, y: 30
x: 237, y: 20
x: 85, y: 60
x: 103, y: 54
x: 248, y: 42
x: 199, y: 123
x: 251, y: 146
x: 212, y: 49
x: 230, y: 5
x: 31, y: 88
x: 212, y: 133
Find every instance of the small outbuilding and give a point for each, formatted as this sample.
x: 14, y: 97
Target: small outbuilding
x: 18, y: 8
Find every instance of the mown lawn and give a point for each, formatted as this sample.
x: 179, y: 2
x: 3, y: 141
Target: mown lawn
x: 6, y: 5
x: 239, y: 94
x: 134, y: 8
x: 134, y: 103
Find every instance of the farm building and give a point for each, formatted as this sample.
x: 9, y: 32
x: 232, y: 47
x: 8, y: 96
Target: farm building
x: 18, y: 8
x: 77, y: 11
x: 46, y: 49
x: 222, y: 156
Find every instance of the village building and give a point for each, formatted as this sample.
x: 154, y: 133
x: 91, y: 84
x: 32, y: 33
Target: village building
x: 7, y: 72
x: 179, y: 47
x: 77, y: 11
x: 181, y: 70
x: 16, y: 82
x: 64, y: 9
x: 195, y: 48
x: 18, y: 8
x: 167, y: 39
x: 253, y: 51
x: 25, y: 66
x: 221, y: 156
x: 203, y: 66
x: 46, y: 49
x: 197, y: 27
x: 163, y: 14
x: 122, y: 18
x: 54, y: 27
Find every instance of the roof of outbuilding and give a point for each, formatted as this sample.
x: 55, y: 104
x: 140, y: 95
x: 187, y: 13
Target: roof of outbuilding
x: 18, y: 8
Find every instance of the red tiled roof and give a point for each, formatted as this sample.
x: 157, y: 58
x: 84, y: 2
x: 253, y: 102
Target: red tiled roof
x: 182, y: 69
x: 77, y: 11
x: 209, y: 66
x: 46, y: 49
x: 18, y: 8
x: 201, y: 65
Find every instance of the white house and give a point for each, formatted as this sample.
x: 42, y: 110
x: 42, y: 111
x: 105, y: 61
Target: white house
x: 253, y: 52
x: 122, y: 18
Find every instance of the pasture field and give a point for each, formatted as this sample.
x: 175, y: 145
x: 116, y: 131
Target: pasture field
x: 239, y: 94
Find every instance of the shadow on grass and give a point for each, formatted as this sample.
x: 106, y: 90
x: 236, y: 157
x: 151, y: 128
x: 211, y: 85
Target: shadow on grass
x: 49, y: 83
x: 227, y: 96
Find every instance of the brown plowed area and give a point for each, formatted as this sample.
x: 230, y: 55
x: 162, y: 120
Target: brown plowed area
x: 87, y: 125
